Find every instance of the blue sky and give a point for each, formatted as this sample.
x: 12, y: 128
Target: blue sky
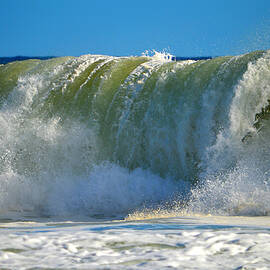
x: 116, y: 27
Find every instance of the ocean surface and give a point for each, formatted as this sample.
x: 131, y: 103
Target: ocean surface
x: 150, y: 162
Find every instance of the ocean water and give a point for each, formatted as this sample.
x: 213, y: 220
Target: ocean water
x: 135, y: 162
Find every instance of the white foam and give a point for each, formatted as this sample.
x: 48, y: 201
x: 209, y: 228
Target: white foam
x: 107, y: 190
x: 162, y: 57
x: 176, y: 243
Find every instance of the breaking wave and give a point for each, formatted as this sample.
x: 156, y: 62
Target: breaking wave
x: 101, y: 135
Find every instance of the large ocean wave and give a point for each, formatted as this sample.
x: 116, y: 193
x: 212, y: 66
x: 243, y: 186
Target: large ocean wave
x: 103, y: 135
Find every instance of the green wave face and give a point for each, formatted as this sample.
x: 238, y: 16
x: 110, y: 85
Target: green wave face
x: 142, y: 113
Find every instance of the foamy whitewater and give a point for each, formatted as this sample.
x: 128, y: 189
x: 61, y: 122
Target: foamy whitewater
x: 135, y: 162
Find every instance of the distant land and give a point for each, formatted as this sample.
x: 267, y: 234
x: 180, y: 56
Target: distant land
x: 5, y: 60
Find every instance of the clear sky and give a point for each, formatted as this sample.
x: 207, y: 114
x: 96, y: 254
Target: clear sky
x: 126, y: 27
